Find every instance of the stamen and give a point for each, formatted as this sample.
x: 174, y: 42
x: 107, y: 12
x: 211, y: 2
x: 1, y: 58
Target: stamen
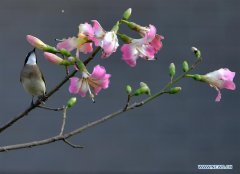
x: 59, y: 40
x: 90, y: 93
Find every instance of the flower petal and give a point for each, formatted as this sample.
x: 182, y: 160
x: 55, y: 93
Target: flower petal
x: 219, y: 96
x: 129, y: 54
x: 109, y: 44
x: 74, y: 85
x: 226, y: 74
x: 98, y: 30
x: 68, y: 44
x: 86, y: 48
x: 106, y: 81
x: 229, y: 85
x: 84, y: 87
x: 156, y: 43
x: 150, y: 35
x: 86, y: 29
x: 99, y: 72
x: 146, y: 51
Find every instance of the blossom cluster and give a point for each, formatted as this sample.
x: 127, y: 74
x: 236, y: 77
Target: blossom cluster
x: 146, y: 46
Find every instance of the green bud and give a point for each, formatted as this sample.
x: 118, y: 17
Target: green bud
x: 185, y: 66
x: 134, y: 26
x: 197, y: 77
x: 125, y: 38
x: 115, y: 27
x: 128, y: 89
x: 196, y: 52
x: 127, y: 14
x: 144, y: 89
x: 172, y: 70
x: 72, y: 101
x: 174, y: 90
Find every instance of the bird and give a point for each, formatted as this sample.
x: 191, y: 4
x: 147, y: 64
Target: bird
x: 32, y: 78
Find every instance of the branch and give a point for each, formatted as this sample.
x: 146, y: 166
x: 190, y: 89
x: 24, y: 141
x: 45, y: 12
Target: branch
x: 45, y: 98
x: 65, y: 136
x: 64, y: 120
x: 51, y: 109
x: 71, y: 144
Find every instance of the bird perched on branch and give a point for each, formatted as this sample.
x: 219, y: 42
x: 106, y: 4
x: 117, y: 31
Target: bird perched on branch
x: 31, y: 77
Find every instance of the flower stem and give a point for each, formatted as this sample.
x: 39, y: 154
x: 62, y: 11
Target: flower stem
x: 170, y: 84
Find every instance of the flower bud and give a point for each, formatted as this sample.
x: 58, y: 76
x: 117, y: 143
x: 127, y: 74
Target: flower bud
x: 127, y: 14
x: 125, y: 38
x: 35, y: 42
x: 144, y: 89
x: 172, y: 70
x: 128, y: 89
x: 72, y: 101
x: 134, y: 26
x: 174, y: 90
x: 53, y: 58
x: 185, y: 66
x: 196, y: 52
x: 115, y: 27
x: 198, y: 77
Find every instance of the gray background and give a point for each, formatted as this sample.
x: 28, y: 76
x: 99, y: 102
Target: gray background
x: 172, y: 134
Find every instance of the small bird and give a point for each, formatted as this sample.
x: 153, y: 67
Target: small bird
x: 31, y: 77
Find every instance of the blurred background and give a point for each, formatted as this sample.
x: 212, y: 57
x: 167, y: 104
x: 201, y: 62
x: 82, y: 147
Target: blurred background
x: 172, y: 134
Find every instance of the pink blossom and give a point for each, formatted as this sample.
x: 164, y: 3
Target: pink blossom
x: 219, y: 79
x: 145, y: 47
x: 108, y: 41
x: 96, y: 81
x: 81, y: 43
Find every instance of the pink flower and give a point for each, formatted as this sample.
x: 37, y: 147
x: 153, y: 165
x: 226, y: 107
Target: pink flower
x: 108, y: 41
x: 219, y: 79
x: 145, y: 47
x: 96, y: 81
x: 81, y: 43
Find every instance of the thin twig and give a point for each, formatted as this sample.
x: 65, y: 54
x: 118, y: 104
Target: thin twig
x: 64, y: 119
x: 71, y: 144
x: 99, y: 121
x: 128, y: 101
x: 51, y: 109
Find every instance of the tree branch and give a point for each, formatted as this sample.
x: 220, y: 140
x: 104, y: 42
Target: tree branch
x: 65, y: 136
